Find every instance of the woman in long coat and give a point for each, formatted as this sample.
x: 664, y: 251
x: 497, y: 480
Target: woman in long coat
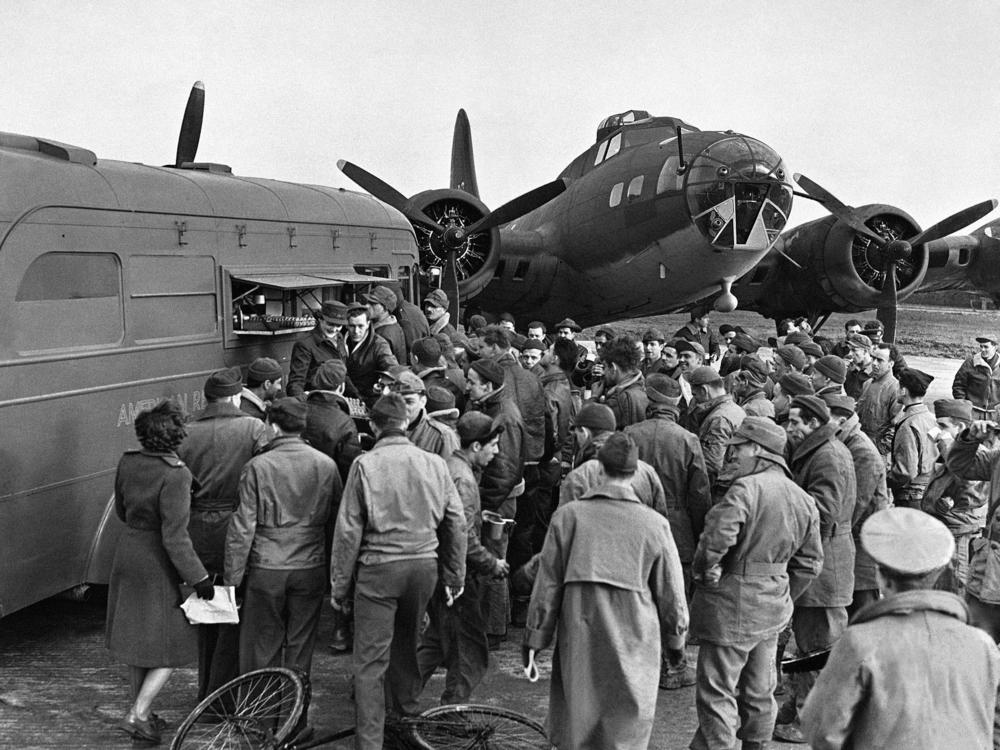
x: 146, y: 628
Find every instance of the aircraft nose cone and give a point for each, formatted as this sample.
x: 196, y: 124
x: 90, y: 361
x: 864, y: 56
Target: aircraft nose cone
x: 738, y: 193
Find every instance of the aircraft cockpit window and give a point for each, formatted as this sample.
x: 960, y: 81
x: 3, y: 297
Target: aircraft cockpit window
x: 669, y: 181
x: 635, y: 188
x: 614, y: 145
x: 616, y: 194
x: 601, y: 151
x: 69, y: 300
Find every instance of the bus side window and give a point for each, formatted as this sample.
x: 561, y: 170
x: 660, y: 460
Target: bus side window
x: 69, y: 300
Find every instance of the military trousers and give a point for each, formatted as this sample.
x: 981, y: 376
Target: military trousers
x: 497, y: 593
x: 455, y: 640
x: 815, y: 629
x: 218, y: 656
x: 734, y: 694
x: 389, y: 603
x: 281, y: 618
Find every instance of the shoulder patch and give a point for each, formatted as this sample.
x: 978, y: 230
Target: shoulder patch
x: 173, y: 461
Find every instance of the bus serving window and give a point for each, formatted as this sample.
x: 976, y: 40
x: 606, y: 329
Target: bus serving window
x: 171, y: 297
x: 69, y: 301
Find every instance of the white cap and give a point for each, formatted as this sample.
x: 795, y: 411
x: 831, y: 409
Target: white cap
x: 907, y: 540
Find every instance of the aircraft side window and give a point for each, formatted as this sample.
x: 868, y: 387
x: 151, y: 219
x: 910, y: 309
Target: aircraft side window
x: 69, y: 300
x: 601, y: 151
x: 616, y: 194
x: 501, y: 266
x: 614, y: 145
x: 521, y: 270
x: 669, y: 181
x: 635, y: 188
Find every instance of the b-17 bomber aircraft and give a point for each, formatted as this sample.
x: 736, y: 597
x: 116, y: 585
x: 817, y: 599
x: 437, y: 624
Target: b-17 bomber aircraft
x: 655, y: 214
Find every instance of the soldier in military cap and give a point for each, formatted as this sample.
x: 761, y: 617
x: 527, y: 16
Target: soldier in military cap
x: 652, y: 342
x: 531, y: 356
x: 908, y: 672
x: 325, y: 341
x: 749, y: 387
x: 872, y: 491
x: 960, y: 504
x: 759, y: 551
x: 263, y: 386
x: 790, y: 385
x: 913, y: 449
x: 714, y: 417
x: 456, y: 636
x: 276, y: 542
x: 697, y: 329
x: 381, y: 303
x: 423, y: 431
x: 623, y: 390
x: 828, y: 375
x: 400, y: 521
x: 823, y: 467
x: 879, y: 401
x: 220, y: 440
x: 859, y: 354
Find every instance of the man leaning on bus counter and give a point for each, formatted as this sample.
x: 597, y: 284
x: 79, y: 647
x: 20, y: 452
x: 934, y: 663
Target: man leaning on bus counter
x: 325, y: 341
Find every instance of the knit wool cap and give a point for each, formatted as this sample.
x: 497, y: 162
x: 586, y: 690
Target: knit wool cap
x: 811, y: 406
x: 619, y: 454
x: 956, y: 408
x: 439, y: 399
x: 662, y: 389
x: 533, y: 344
x: 792, y: 356
x: 223, y: 383
x: 762, y: 431
x: 796, y: 384
x: 477, y: 323
x: 264, y: 368
x: 330, y: 375
x: 832, y: 367
x: 795, y: 338
x: 907, y: 540
x: 290, y: 414
x: 390, y: 406
x: 596, y: 417
x: 488, y: 370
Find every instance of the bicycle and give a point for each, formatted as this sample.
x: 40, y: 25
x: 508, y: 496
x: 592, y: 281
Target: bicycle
x: 265, y: 710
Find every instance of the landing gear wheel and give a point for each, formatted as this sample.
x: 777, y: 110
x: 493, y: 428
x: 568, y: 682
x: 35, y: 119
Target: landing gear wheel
x: 475, y: 727
x: 257, y: 711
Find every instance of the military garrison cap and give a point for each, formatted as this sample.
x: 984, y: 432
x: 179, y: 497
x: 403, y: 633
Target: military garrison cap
x: 915, y: 381
x: 955, y: 408
x: 907, y: 540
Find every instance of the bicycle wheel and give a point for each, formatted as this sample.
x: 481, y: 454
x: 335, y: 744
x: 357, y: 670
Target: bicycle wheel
x: 475, y: 727
x: 256, y: 711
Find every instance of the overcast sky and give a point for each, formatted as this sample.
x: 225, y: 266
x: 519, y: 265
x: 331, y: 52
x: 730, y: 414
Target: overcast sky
x: 891, y: 102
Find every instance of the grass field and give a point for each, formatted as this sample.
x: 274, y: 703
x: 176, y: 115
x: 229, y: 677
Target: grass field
x: 924, y: 331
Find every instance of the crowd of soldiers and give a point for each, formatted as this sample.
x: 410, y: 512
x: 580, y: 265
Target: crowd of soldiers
x: 746, y: 496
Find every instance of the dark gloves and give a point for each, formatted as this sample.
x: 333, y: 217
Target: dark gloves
x: 204, y: 588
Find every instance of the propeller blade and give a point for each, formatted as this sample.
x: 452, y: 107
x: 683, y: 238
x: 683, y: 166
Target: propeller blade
x: 463, y: 165
x: 886, y: 312
x: 519, y: 206
x: 187, y: 143
x: 955, y: 222
x: 386, y: 193
x: 450, y: 285
x: 840, y: 210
